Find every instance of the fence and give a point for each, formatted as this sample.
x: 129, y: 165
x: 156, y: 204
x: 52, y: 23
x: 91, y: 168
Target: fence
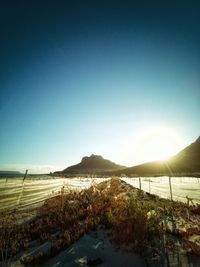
x: 23, y: 193
x: 177, y: 188
x: 27, y: 193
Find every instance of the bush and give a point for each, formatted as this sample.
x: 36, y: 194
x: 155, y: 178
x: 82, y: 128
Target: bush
x: 134, y: 226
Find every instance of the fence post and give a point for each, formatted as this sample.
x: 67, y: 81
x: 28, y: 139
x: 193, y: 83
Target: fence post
x: 140, y: 185
x: 149, y: 185
x: 6, y: 180
x: 22, y: 187
x: 25, y: 175
x: 170, y: 186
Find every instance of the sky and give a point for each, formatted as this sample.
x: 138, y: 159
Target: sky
x: 96, y: 77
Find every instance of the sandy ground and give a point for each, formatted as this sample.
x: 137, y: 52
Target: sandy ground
x: 95, y: 249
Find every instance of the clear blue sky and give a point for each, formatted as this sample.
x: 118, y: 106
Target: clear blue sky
x: 85, y: 77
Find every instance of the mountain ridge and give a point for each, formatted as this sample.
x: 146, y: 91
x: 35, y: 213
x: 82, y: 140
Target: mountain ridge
x: 185, y: 161
x: 92, y: 165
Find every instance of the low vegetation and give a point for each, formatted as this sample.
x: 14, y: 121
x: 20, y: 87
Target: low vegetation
x: 136, y: 221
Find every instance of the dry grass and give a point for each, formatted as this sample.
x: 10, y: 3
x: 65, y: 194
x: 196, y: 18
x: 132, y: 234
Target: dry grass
x: 133, y: 217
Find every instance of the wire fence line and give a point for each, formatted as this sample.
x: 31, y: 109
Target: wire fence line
x: 21, y: 194
x: 17, y: 193
x: 182, y: 188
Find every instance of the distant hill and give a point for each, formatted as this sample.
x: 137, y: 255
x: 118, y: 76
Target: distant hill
x: 91, y: 165
x: 10, y: 173
x: 187, y: 161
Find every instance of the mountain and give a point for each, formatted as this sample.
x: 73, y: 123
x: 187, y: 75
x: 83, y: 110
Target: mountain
x: 92, y: 165
x: 187, y: 161
x: 189, y: 158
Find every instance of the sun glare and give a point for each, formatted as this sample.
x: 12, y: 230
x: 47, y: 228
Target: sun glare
x: 158, y: 144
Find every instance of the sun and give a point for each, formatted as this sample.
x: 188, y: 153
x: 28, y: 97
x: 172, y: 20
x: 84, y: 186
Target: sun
x: 158, y: 143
